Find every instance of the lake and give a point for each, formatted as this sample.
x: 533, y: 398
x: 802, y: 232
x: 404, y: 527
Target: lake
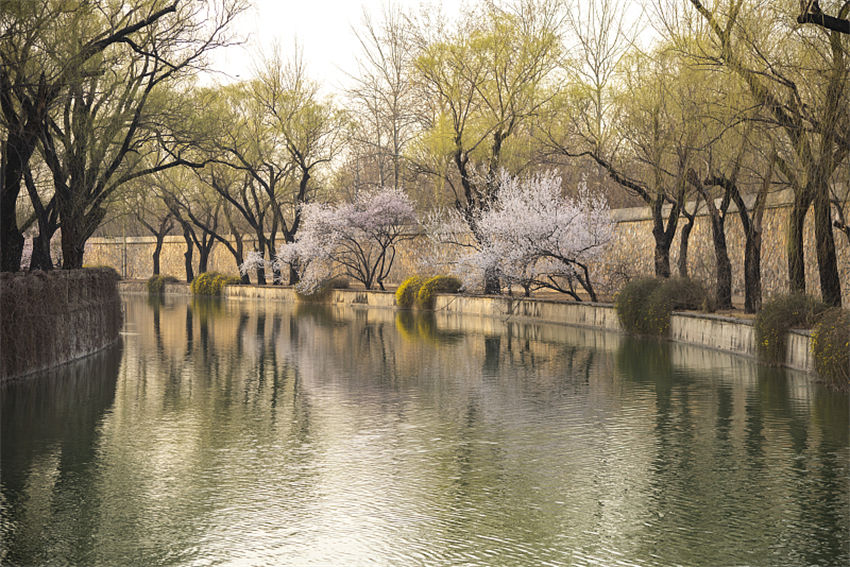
x: 252, y: 433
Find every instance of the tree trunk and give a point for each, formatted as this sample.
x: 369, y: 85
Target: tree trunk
x: 492, y: 286
x: 752, y: 273
x: 203, y: 257
x: 41, y: 259
x: 662, y: 255
x: 16, y: 154
x: 796, y: 222
x: 752, y: 249
x: 72, y: 249
x: 190, y: 246
x: 724, y: 266
x: 160, y: 238
x: 830, y: 284
x: 684, y: 238
x: 664, y: 236
x: 261, y: 248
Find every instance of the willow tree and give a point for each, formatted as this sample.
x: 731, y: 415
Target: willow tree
x: 93, y: 92
x: 311, y: 129
x: 800, y: 75
x: 45, y: 46
x: 248, y: 167
x: 384, y: 101
x: 481, y: 83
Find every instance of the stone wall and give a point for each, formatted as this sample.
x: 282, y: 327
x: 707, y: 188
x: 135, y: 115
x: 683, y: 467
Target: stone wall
x: 632, y: 251
x: 50, y: 318
x: 630, y: 254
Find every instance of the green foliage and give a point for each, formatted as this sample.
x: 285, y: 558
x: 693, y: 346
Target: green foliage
x: 211, y: 283
x: 438, y: 284
x: 645, y: 305
x: 156, y: 284
x: 405, y: 295
x: 779, y: 315
x: 831, y: 347
x: 631, y: 301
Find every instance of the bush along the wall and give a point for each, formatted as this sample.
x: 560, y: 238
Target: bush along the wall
x: 426, y: 296
x: 630, y: 303
x: 778, y: 316
x: 322, y: 293
x: 156, y: 284
x: 405, y: 295
x: 645, y: 305
x: 212, y: 283
x: 831, y: 347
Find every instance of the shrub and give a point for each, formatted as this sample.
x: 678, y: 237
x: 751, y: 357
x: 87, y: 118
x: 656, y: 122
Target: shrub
x: 156, y: 284
x: 322, y: 293
x: 779, y: 315
x: 831, y: 347
x: 673, y: 294
x: 630, y: 303
x: 211, y: 283
x: 405, y: 295
x: 426, y: 295
x: 644, y: 306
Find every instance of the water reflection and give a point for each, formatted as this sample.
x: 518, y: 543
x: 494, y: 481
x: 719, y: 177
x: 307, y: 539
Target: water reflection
x: 261, y: 433
x: 51, y: 423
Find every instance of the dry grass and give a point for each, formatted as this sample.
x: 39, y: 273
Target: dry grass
x: 49, y: 318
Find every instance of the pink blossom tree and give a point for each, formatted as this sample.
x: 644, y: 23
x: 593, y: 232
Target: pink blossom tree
x: 543, y: 239
x: 356, y: 239
x: 534, y: 236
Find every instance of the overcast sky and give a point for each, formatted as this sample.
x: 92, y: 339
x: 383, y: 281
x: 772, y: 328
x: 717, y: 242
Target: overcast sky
x: 323, y: 28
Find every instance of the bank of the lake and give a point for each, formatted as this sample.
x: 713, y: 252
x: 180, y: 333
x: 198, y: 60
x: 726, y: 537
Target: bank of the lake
x: 52, y: 318
x: 718, y: 332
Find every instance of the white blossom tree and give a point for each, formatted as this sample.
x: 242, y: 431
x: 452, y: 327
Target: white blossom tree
x: 357, y: 239
x: 253, y: 261
x: 535, y: 237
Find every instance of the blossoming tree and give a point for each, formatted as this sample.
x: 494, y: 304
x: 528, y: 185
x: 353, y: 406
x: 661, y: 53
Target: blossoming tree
x: 357, y: 239
x: 535, y: 237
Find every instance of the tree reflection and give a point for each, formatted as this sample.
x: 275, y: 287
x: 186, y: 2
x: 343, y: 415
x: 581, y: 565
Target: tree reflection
x: 49, y: 438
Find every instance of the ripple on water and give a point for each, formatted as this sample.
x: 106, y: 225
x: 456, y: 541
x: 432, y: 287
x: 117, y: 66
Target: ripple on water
x: 259, y: 435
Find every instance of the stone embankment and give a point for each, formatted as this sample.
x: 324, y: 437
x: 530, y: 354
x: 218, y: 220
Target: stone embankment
x: 711, y: 331
x: 50, y: 318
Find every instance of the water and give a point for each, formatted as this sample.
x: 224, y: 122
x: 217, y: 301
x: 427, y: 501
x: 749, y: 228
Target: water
x: 266, y: 434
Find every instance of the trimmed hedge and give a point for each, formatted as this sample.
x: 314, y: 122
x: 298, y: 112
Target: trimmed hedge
x: 211, y: 283
x: 778, y: 316
x: 405, y: 295
x: 426, y: 296
x: 831, y: 347
x: 645, y: 305
x: 156, y: 284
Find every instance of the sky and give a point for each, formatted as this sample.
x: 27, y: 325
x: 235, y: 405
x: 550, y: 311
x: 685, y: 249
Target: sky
x: 322, y: 28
